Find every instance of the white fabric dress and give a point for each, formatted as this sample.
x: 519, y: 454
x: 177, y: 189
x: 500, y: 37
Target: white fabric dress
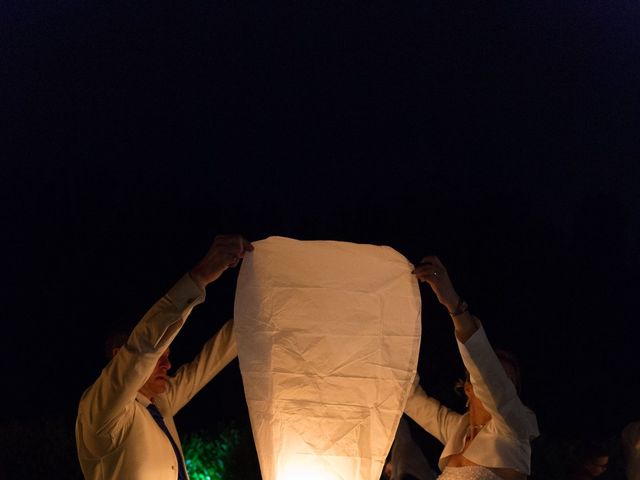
x: 468, y: 473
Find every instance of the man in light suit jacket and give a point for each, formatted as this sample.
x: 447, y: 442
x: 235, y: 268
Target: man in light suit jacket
x: 124, y: 427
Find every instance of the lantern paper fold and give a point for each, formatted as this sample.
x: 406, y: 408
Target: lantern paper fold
x: 328, y: 338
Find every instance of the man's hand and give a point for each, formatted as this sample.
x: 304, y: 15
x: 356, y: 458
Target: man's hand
x: 225, y: 252
x: 431, y: 271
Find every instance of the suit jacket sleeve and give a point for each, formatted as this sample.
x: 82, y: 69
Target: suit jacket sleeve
x: 109, y: 402
x: 191, y: 377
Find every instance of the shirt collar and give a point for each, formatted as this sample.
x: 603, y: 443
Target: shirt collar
x: 143, y: 400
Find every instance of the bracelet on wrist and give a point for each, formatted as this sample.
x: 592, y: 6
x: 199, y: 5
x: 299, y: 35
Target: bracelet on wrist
x: 460, y: 308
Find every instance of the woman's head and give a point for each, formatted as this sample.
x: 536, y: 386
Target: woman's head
x: 590, y: 459
x: 510, y: 365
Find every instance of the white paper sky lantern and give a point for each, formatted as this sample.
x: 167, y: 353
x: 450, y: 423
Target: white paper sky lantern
x: 328, y: 339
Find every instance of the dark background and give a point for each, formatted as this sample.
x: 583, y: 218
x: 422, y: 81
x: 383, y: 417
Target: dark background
x: 502, y: 136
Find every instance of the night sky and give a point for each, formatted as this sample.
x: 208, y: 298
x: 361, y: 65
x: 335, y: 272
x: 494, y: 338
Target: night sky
x: 502, y: 136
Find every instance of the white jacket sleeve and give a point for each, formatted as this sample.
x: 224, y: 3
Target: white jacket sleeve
x: 495, y: 389
x: 430, y: 414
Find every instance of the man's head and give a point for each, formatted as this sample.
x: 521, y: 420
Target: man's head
x: 592, y: 458
x: 596, y: 466
x: 157, y: 381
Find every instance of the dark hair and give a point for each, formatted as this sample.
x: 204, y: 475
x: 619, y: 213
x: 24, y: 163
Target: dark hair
x: 591, y: 449
x: 584, y: 452
x: 503, y: 356
x: 116, y: 338
x: 508, y: 357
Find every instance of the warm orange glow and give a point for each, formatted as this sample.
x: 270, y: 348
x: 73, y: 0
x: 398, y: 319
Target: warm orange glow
x: 328, y: 338
x: 293, y: 472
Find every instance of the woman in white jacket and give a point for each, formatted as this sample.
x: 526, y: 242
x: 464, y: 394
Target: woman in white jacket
x: 492, y: 441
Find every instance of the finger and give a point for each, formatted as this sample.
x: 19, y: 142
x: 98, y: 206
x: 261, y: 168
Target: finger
x: 427, y: 262
x: 230, y: 244
x: 230, y: 254
x: 247, y: 245
x: 427, y: 259
x: 428, y: 273
x: 225, y: 238
x: 437, y: 262
x: 423, y: 267
x: 240, y: 243
x: 235, y: 246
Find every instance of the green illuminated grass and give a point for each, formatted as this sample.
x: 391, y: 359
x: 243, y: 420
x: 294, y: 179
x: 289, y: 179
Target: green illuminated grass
x: 207, y: 455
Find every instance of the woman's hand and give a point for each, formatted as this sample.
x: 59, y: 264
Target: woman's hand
x: 431, y: 271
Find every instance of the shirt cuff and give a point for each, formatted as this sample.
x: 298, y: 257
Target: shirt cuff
x: 186, y: 293
x: 477, y: 336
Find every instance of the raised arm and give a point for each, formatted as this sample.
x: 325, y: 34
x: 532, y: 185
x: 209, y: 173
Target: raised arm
x: 107, y: 402
x: 216, y: 354
x: 430, y: 414
x: 491, y: 384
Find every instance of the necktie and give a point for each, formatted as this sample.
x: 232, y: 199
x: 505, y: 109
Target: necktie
x: 155, y: 413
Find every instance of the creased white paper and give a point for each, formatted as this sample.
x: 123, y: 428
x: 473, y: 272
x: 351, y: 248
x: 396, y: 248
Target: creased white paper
x: 328, y: 337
